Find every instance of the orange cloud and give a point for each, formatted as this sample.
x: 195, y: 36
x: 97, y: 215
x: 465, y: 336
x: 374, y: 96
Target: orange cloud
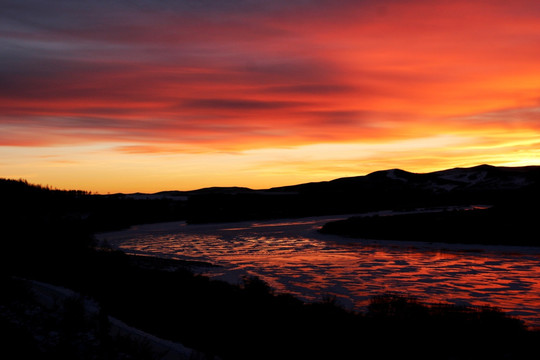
x: 214, y: 77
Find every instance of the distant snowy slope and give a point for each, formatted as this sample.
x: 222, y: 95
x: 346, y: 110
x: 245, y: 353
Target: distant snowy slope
x: 482, y: 178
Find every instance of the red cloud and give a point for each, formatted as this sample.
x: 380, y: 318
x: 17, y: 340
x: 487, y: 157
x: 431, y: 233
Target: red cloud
x: 235, y: 76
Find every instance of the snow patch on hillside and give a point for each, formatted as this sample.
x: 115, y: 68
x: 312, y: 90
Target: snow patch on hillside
x: 467, y: 177
x: 49, y: 296
x: 394, y: 174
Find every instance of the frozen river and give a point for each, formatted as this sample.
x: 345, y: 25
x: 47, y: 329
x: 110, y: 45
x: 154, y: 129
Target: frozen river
x: 293, y: 257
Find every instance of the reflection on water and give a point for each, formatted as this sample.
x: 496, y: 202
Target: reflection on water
x: 294, y: 257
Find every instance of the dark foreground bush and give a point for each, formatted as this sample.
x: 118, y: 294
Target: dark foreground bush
x: 456, y: 332
x: 252, y: 322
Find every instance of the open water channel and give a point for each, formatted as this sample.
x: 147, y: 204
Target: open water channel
x: 293, y: 257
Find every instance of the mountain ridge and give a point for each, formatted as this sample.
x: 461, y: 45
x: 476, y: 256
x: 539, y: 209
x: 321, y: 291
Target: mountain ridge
x: 448, y: 176
x: 381, y: 190
x: 438, y: 180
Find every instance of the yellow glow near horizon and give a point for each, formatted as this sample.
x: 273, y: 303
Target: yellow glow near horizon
x: 100, y: 170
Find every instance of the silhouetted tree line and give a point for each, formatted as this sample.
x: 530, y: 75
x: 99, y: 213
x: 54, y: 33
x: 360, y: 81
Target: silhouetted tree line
x: 21, y: 200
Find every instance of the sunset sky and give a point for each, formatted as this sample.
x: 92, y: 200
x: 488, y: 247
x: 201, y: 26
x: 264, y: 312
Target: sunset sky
x: 151, y: 95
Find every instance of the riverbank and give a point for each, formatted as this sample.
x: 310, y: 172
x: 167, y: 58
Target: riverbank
x: 499, y: 225
x: 172, y: 227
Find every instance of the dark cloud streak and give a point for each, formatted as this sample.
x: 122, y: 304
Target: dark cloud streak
x: 238, y: 104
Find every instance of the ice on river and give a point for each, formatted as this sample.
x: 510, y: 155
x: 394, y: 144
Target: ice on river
x: 293, y: 257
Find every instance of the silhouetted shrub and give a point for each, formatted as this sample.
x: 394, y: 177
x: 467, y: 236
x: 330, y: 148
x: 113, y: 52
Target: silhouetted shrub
x: 257, y: 287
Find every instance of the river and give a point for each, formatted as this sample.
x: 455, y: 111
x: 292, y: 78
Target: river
x: 293, y: 257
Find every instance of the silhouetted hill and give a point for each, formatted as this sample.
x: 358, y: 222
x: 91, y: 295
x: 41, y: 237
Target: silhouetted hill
x: 380, y: 190
x: 388, y: 189
x: 481, y: 178
x: 513, y: 192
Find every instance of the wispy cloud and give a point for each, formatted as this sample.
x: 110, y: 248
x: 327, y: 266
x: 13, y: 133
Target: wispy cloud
x: 237, y: 75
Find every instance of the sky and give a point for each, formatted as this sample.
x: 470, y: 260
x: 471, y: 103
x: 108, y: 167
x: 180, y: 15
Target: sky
x: 149, y: 95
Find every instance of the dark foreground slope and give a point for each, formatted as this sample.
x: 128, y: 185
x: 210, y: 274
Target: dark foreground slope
x: 251, y: 322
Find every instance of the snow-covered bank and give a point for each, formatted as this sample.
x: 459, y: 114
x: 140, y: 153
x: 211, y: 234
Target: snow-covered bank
x: 50, y: 298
